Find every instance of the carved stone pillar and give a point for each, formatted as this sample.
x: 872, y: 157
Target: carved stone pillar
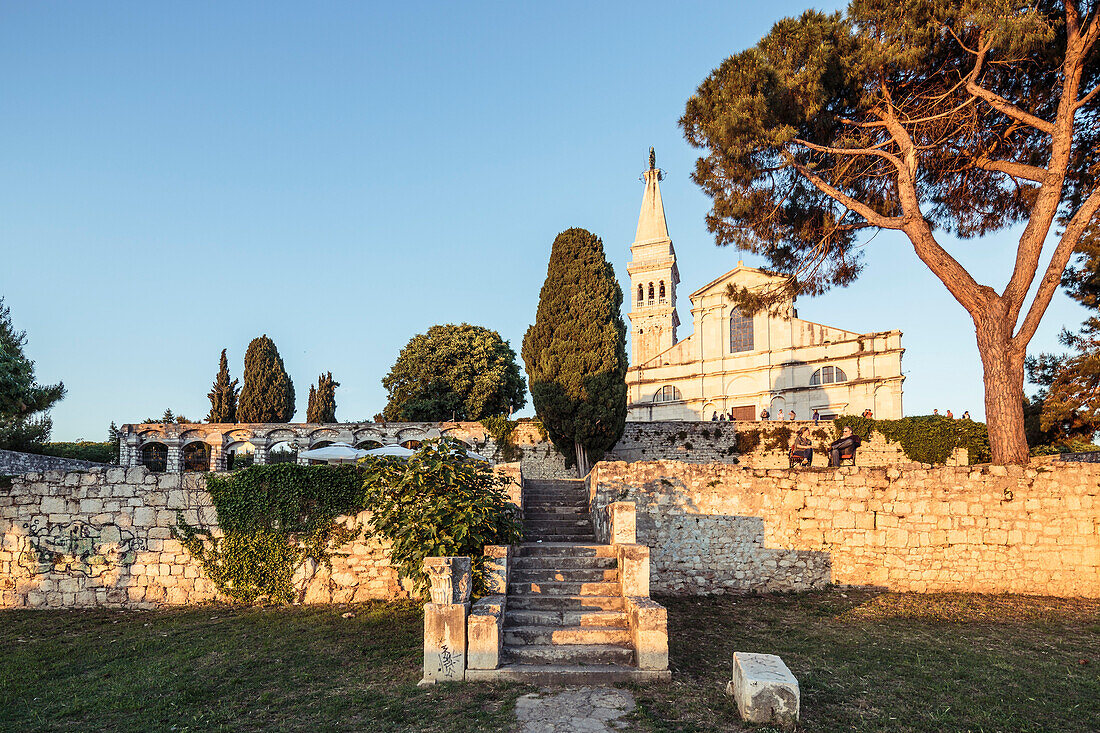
x: 445, y: 619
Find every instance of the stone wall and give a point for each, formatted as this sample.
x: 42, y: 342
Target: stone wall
x: 540, y: 459
x: 718, y: 528
x: 15, y: 462
x: 103, y: 538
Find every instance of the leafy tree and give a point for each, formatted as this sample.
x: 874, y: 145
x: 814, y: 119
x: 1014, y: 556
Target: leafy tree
x: 965, y: 117
x: 576, y: 351
x: 459, y: 372
x: 223, y: 395
x: 322, y: 400
x: 21, y: 397
x: 268, y: 393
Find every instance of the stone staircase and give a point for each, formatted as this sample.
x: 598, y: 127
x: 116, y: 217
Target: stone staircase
x: 566, y: 620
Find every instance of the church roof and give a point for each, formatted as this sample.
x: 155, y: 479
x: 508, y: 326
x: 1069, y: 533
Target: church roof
x: 746, y: 277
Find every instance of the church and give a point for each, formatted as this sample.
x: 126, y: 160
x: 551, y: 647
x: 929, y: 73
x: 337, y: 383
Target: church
x: 737, y: 365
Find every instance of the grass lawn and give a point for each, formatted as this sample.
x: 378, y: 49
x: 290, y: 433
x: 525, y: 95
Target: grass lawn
x: 866, y: 661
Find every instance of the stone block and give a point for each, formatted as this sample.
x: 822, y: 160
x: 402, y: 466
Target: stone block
x: 634, y: 569
x: 622, y: 518
x: 499, y: 557
x: 484, y: 633
x: 450, y: 578
x: 445, y: 642
x: 648, y: 622
x: 764, y: 689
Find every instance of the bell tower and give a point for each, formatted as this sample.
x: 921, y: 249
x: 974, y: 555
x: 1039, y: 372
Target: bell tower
x: 653, y: 276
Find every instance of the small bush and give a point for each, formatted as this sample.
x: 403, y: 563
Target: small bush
x: 438, y: 504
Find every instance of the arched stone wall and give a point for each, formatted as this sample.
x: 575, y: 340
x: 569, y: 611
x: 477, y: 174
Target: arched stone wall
x: 220, y: 437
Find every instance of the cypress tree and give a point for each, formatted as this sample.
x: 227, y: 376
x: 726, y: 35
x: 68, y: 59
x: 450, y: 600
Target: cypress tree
x: 575, y: 352
x: 322, y: 400
x: 223, y: 396
x: 267, y: 394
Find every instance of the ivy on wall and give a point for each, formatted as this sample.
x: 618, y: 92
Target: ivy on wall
x: 925, y: 438
x: 501, y: 429
x: 273, y: 518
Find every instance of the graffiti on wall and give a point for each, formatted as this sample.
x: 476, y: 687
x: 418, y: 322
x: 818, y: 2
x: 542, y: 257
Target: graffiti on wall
x: 77, y: 548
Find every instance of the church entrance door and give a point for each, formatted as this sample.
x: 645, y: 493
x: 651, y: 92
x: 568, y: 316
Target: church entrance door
x: 747, y: 412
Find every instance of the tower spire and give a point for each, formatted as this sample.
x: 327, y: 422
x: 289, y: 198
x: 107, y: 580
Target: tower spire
x: 651, y: 220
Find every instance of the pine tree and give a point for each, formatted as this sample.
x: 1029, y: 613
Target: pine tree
x: 576, y: 351
x: 223, y: 395
x: 925, y: 117
x: 21, y: 397
x: 322, y: 400
x: 267, y: 395
x: 114, y: 439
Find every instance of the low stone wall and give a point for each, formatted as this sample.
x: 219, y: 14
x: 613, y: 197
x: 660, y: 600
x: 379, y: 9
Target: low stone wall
x: 103, y: 538
x: 719, y: 528
x: 16, y: 462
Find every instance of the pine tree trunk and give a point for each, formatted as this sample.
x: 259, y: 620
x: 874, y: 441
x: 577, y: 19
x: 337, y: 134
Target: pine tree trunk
x: 1003, y: 366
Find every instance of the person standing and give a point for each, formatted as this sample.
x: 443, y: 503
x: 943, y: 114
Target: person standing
x: 791, y: 417
x: 966, y: 415
x: 779, y: 415
x: 817, y: 417
x: 950, y: 415
x: 764, y: 414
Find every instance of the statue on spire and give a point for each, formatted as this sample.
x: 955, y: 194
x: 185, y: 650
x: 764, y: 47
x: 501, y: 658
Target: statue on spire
x: 652, y: 159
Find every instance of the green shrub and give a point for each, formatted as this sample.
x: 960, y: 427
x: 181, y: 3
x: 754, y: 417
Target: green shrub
x: 83, y: 450
x: 925, y: 438
x: 438, y: 504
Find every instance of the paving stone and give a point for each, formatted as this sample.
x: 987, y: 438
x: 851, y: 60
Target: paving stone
x: 574, y: 709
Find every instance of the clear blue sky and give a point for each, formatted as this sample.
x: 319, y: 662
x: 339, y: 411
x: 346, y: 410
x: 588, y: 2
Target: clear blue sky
x: 177, y: 178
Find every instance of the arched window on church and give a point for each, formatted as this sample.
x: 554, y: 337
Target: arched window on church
x: 641, y: 294
x: 668, y: 393
x: 740, y: 332
x: 828, y: 375
x: 661, y: 291
x: 651, y: 293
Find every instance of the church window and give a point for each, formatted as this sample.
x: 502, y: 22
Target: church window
x: 668, y: 393
x: 828, y: 375
x: 661, y: 291
x: 651, y: 293
x: 740, y: 333
x: 641, y: 294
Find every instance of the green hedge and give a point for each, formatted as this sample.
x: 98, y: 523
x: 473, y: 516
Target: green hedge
x: 83, y: 451
x: 925, y: 438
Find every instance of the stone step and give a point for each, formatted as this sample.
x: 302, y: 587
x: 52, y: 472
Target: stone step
x: 551, y: 502
x: 569, y: 654
x: 565, y: 549
x: 548, y: 526
x: 566, y: 636
x: 558, y: 588
x: 552, y: 483
x: 568, y: 575
x: 556, y: 514
x: 568, y: 674
x: 564, y: 603
x: 559, y: 537
x: 559, y: 562
x: 599, y: 619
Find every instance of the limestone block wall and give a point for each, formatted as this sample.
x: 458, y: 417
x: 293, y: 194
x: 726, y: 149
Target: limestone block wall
x: 718, y: 528
x: 691, y: 442
x: 16, y: 462
x: 103, y: 538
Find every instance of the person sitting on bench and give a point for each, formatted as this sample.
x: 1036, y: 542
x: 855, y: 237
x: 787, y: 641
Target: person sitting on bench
x: 843, y: 447
x: 802, y: 452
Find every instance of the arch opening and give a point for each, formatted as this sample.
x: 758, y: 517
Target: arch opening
x: 196, y: 456
x: 154, y: 456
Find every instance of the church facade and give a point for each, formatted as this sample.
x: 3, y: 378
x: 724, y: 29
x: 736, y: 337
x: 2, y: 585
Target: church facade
x: 736, y: 365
